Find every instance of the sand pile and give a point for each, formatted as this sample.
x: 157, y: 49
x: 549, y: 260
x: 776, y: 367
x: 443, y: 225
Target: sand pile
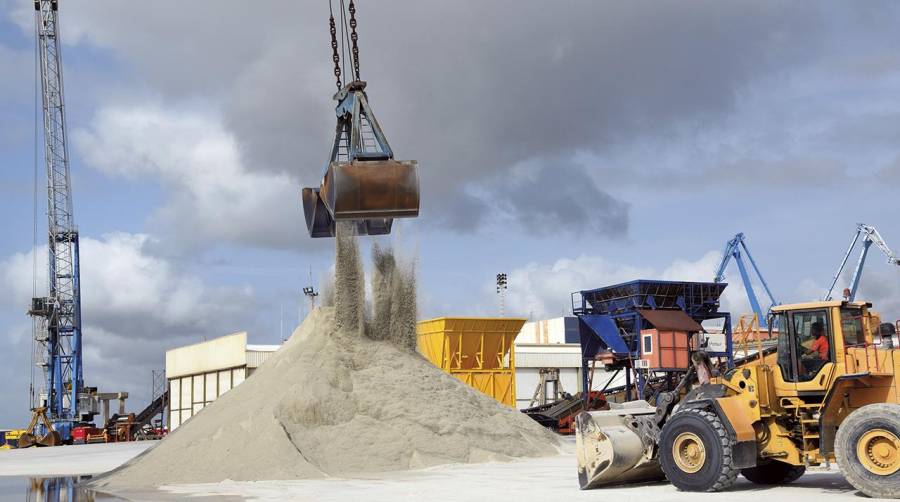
x: 346, y: 395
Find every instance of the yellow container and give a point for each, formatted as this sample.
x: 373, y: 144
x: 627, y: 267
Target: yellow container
x: 477, y: 350
x: 12, y: 438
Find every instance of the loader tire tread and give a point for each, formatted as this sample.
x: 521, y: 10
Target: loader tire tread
x: 873, y: 416
x: 720, y: 473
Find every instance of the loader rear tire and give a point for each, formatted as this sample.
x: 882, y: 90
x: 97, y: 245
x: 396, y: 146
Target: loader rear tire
x: 867, y: 448
x: 773, y: 473
x: 695, y: 452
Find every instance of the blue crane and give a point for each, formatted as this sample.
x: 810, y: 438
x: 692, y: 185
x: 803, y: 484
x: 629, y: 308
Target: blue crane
x: 733, y: 249
x: 870, y: 236
x: 57, y: 332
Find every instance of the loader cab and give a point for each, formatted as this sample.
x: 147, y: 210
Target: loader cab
x: 812, y: 340
x: 805, y: 343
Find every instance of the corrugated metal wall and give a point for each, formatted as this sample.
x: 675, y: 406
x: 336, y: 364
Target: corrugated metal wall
x: 547, y: 360
x: 255, y: 358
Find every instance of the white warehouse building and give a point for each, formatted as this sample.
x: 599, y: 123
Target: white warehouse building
x: 201, y: 372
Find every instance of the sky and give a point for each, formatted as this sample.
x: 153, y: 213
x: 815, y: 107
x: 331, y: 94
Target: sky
x: 570, y: 145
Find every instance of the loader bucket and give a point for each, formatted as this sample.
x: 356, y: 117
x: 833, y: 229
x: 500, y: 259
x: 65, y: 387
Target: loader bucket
x: 617, y: 446
x: 367, y: 189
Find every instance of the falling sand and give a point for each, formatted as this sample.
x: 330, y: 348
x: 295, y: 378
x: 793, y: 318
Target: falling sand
x: 347, y: 395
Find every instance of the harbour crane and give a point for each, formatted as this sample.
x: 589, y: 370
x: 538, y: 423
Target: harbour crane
x: 869, y: 235
x: 57, y: 327
x: 735, y: 249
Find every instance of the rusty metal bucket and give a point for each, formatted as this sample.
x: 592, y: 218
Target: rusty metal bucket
x: 28, y: 440
x: 320, y: 223
x: 373, y: 192
x: 318, y: 220
x: 364, y: 189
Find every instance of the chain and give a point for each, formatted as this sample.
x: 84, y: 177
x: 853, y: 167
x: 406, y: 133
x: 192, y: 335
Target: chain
x: 334, y: 52
x: 354, y: 37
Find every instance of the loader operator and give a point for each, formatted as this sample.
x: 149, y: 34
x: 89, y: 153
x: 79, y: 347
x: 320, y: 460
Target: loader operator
x: 817, y: 354
x: 820, y: 343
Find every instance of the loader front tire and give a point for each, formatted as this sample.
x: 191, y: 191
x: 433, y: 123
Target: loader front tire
x: 867, y: 448
x: 695, y: 452
x: 773, y: 473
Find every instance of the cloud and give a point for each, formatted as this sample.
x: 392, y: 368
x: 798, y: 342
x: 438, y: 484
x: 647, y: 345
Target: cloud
x: 544, y: 290
x: 18, y: 66
x: 879, y: 285
x: 519, y: 82
x: 16, y: 91
x: 212, y: 195
x: 135, y: 306
x: 545, y: 197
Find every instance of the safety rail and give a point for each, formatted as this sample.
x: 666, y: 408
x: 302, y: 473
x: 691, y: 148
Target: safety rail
x: 748, y: 324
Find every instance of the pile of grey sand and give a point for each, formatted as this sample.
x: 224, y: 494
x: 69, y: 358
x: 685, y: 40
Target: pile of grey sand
x: 347, y: 395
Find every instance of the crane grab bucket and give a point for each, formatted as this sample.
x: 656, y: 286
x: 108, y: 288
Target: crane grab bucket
x: 370, y: 192
x: 363, y: 182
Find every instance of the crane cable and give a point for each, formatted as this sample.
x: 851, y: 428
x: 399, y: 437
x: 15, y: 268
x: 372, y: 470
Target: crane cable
x: 345, y: 41
x: 34, y: 216
x: 334, y: 47
x: 349, y: 48
x: 354, y: 37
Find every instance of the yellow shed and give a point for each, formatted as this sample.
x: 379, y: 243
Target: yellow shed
x: 479, y: 351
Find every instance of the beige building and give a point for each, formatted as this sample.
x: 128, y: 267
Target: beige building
x: 200, y: 373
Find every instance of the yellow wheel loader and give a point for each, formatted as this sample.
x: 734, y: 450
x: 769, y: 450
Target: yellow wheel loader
x: 827, y: 392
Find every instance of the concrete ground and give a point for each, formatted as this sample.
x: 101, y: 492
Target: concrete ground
x: 68, y: 460
x: 543, y: 479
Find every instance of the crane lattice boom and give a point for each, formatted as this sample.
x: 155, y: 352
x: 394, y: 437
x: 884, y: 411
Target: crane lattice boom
x: 58, y: 327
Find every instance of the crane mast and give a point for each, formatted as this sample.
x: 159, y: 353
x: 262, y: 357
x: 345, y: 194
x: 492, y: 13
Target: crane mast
x: 57, y: 330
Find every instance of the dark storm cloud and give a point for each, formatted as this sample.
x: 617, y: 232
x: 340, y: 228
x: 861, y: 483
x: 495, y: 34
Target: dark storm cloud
x: 547, y: 196
x: 470, y: 89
